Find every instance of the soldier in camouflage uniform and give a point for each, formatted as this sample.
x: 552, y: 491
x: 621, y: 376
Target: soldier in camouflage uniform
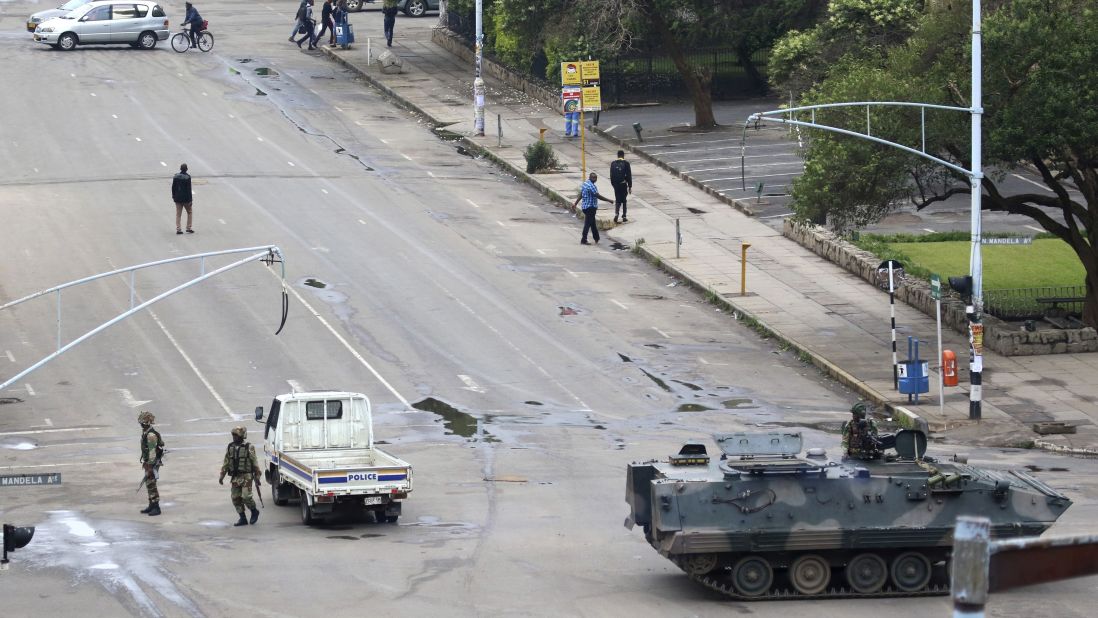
x: 243, y: 468
x: 152, y: 454
x: 855, y: 434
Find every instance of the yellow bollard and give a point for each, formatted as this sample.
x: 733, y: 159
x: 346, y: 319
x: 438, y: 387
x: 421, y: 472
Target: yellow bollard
x: 541, y: 134
x: 743, y: 269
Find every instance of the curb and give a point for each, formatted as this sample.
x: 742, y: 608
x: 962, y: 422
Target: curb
x: 1065, y: 450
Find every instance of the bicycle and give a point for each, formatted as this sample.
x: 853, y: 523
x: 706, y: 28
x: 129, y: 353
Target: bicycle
x: 181, y: 41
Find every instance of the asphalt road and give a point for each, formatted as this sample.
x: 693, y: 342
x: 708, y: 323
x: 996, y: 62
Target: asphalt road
x: 440, y: 274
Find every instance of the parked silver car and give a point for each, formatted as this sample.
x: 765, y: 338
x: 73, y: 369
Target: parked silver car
x: 41, y: 16
x: 136, y: 22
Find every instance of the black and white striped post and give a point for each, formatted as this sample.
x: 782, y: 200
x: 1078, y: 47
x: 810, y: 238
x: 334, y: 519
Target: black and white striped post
x: 892, y: 266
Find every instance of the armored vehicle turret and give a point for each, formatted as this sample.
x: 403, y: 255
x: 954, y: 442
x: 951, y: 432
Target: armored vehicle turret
x: 760, y: 519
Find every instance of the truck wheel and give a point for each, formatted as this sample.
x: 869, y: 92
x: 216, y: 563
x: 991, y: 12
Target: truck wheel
x: 306, y: 511
x: 391, y: 519
x: 278, y: 494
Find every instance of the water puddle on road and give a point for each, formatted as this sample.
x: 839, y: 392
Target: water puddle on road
x: 455, y: 421
x: 660, y: 383
x: 316, y: 283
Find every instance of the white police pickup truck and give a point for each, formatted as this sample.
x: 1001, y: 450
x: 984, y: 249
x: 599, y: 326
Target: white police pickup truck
x: 319, y: 449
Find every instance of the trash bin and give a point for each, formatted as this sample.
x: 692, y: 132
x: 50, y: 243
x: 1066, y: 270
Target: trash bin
x: 913, y: 374
x: 345, y: 34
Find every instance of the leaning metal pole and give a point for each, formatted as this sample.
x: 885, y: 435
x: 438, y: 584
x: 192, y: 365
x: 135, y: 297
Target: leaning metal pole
x: 976, y: 268
x: 478, y: 81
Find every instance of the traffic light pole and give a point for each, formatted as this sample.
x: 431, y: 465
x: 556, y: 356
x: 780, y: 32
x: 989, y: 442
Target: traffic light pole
x: 975, y: 175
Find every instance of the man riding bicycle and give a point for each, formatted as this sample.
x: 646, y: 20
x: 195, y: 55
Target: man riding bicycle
x: 195, y: 20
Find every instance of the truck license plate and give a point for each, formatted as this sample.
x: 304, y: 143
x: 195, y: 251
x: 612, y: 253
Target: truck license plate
x: 373, y: 500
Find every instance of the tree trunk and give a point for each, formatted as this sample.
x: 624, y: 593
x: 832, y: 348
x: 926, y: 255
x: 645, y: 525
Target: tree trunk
x: 757, y: 80
x: 697, y: 81
x: 1090, y: 305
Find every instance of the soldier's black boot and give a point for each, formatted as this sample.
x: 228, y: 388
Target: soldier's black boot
x: 243, y: 521
x: 154, y: 509
x: 255, y: 516
x: 148, y: 508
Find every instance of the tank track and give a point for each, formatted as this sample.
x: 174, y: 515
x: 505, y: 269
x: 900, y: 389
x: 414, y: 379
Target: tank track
x: 727, y: 590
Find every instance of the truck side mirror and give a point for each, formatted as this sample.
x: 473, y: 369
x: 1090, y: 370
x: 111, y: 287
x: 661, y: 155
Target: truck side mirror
x: 259, y: 414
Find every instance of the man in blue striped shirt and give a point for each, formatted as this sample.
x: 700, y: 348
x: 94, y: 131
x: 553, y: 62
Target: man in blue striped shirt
x: 589, y: 194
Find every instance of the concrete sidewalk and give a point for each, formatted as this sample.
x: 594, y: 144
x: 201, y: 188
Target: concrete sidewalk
x: 837, y: 321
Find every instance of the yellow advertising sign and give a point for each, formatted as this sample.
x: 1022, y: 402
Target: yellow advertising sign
x: 589, y: 70
x: 570, y: 74
x: 592, y: 99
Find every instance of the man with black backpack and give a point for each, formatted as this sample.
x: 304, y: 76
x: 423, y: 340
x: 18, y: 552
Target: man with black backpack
x: 297, y: 19
x: 621, y: 178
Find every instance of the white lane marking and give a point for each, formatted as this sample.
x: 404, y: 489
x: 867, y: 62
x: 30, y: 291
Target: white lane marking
x: 501, y: 224
x: 337, y: 108
x: 360, y: 123
x: 9, y: 355
x: 472, y: 203
x: 324, y: 191
x: 259, y: 138
x: 115, y: 116
x: 205, y: 95
x: 430, y: 173
x: 291, y: 163
x: 221, y: 221
x: 665, y: 335
x: 383, y: 140
x: 619, y: 304
x: 1035, y: 228
x: 72, y: 74
x: 703, y: 361
x: 611, y: 127
x: 36, y: 170
x: 926, y: 229
x: 28, y: 432
x: 470, y: 385
x: 314, y: 92
x: 1032, y: 182
x: 128, y: 398
x: 49, y: 423
x: 92, y: 93
x: 137, y: 138
x: 231, y: 116
x: 541, y: 251
x: 571, y: 273
x: 179, y: 75
x: 295, y: 386
x: 163, y: 164
x: 56, y: 465
x: 347, y: 345
x: 406, y: 156
x: 362, y: 222
x: 30, y: 390
x: 190, y: 363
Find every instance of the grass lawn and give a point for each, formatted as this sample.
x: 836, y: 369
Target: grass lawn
x: 1046, y: 262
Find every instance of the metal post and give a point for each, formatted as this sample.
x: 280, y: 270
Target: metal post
x: 583, y: 145
x: 478, y: 81
x: 133, y: 273
x: 499, y: 130
x: 971, y: 562
x: 941, y: 369
x: 976, y: 267
x: 678, y: 239
x: 892, y: 311
x: 369, y: 54
x: 58, y: 319
x: 743, y: 269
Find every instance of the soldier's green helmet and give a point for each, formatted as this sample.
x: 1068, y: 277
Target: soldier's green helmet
x: 240, y: 430
x: 858, y: 409
x: 146, y: 418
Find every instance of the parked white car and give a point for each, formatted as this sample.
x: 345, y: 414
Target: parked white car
x: 136, y: 23
x: 41, y: 16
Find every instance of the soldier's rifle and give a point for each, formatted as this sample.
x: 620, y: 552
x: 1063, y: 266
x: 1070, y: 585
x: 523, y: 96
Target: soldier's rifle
x: 145, y: 476
x: 259, y: 492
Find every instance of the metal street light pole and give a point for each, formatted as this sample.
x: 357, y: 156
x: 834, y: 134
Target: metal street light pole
x: 976, y: 267
x: 478, y: 81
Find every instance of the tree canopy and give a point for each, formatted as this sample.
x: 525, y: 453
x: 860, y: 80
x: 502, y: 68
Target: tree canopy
x: 1040, y: 67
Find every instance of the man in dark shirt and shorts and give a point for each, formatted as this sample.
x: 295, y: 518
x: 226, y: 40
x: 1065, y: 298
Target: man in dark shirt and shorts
x: 621, y: 178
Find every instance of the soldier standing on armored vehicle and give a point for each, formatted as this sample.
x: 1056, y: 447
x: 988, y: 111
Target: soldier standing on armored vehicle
x: 860, y: 437
x: 152, y: 456
x: 243, y: 468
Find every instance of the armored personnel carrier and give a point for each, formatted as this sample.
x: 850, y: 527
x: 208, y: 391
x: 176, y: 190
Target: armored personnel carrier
x: 763, y: 521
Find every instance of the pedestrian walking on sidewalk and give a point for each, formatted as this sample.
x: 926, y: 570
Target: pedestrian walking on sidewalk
x: 389, y: 10
x: 308, y: 24
x: 181, y: 195
x: 621, y: 178
x: 589, y: 194
x: 297, y: 19
x: 326, y: 24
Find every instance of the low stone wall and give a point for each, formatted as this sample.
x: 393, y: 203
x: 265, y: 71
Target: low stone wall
x: 999, y: 336
x: 457, y: 46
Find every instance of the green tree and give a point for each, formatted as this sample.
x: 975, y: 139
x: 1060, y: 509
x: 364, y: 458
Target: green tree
x: 1040, y: 67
